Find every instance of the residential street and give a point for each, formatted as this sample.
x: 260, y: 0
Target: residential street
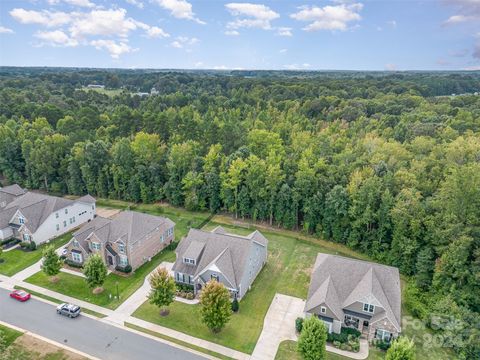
x: 85, y: 334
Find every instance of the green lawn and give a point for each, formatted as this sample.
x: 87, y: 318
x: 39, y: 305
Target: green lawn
x: 16, y: 260
x: 9, y: 334
x: 287, y: 271
x: 76, y: 286
x: 108, y: 92
x: 288, y: 351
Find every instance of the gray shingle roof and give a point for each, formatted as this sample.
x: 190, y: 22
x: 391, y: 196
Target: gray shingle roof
x: 87, y: 199
x: 339, y: 282
x: 127, y: 226
x: 227, y: 251
x: 36, y: 207
x: 14, y: 189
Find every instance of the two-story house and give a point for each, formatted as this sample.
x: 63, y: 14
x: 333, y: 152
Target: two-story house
x: 31, y: 216
x: 130, y: 238
x: 233, y: 260
x: 353, y: 293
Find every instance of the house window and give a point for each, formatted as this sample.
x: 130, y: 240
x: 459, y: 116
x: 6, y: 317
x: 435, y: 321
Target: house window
x: 162, y: 238
x: 123, y: 260
x: 58, y: 227
x: 75, y: 243
x: 368, y: 308
x: 180, y: 277
x: 73, y: 219
x: 121, y: 248
x: 95, y: 246
x: 215, y: 277
x: 323, y: 309
x: 190, y: 279
x: 169, y: 231
x: 93, y: 207
x: 383, y: 334
x: 77, y: 257
x: 351, y: 321
x: 66, y: 211
x: 189, y: 261
x: 26, y: 237
x: 21, y: 220
x: 56, y: 215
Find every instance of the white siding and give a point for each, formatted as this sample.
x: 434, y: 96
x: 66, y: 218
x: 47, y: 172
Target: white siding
x: 6, y: 233
x: 48, y: 230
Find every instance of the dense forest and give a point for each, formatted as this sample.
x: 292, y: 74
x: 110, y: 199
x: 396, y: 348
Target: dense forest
x: 386, y: 163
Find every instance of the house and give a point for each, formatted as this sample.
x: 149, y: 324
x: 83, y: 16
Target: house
x: 130, y: 238
x: 95, y: 86
x: 353, y: 293
x: 233, y: 260
x: 35, y: 217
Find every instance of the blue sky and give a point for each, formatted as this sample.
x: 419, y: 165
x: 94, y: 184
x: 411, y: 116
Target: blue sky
x: 278, y: 34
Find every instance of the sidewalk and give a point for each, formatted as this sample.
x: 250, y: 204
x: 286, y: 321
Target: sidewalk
x: 33, y: 269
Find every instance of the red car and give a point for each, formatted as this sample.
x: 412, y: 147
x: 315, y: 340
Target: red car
x: 20, y: 295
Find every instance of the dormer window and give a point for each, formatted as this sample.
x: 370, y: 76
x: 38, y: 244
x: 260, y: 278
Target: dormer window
x: 21, y: 220
x: 323, y: 309
x: 75, y: 243
x: 66, y: 211
x: 215, y: 277
x: 121, y: 248
x: 96, y: 245
x: 369, y: 308
x: 189, y: 261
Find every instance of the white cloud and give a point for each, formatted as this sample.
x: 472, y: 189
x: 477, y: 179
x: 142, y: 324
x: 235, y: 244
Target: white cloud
x: 181, y: 42
x: 329, y: 17
x: 220, y: 67
x: 284, y: 31
x: 89, y: 27
x: 391, y: 67
x: 198, y: 64
x: 45, y: 18
x: 136, y: 3
x: 56, y: 38
x: 179, y: 9
x: 232, y: 33
x: 80, y: 3
x: 5, y: 30
x: 283, y: 51
x: 156, y: 32
x: 250, y: 15
x: 392, y: 23
x: 297, y: 66
x: 114, y: 48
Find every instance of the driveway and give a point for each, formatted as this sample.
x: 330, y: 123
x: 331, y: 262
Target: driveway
x: 90, y: 336
x: 279, y: 325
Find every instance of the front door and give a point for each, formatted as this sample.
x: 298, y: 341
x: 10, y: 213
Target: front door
x: 110, y: 260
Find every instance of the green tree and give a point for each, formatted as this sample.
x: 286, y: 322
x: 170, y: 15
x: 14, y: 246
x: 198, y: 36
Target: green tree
x: 312, y: 339
x: 163, y: 289
x: 95, y: 272
x: 401, y: 349
x: 216, y: 308
x: 52, y: 263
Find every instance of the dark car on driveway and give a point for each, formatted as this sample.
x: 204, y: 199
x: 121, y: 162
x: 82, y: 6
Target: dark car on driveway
x: 70, y: 310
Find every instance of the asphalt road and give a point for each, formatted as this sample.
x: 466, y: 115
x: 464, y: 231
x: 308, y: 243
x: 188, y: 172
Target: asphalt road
x: 85, y: 334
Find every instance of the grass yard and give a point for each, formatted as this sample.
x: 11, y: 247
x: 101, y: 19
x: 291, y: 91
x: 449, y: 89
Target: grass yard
x: 108, y: 92
x: 76, y: 286
x: 9, y: 334
x: 287, y: 271
x: 16, y: 260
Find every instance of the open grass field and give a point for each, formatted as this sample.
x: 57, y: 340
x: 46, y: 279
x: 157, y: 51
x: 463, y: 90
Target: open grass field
x: 76, y: 286
x: 9, y: 335
x: 108, y: 92
x: 16, y: 260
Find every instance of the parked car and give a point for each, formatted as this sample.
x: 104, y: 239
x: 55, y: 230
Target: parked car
x: 70, y: 310
x: 20, y: 295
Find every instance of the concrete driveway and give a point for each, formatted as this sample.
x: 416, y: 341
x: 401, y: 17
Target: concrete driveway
x: 279, y: 325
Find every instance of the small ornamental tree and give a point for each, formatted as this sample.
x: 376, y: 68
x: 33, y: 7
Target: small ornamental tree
x: 52, y: 263
x: 312, y: 339
x: 163, y: 290
x: 216, y: 308
x: 95, y: 273
x: 401, y: 349
x: 235, y: 305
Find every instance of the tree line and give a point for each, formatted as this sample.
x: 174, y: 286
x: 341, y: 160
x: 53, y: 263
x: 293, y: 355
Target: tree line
x: 373, y: 162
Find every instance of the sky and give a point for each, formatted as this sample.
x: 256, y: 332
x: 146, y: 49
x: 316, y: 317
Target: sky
x: 214, y: 34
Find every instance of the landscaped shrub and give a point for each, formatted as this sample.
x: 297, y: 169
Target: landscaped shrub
x: 351, y: 331
x: 9, y: 242
x: 382, y: 345
x: 125, y: 269
x: 337, y: 344
x: 184, y: 287
x: 172, y: 246
x: 235, y: 305
x: 190, y: 296
x: 32, y: 246
x: 344, y: 335
x: 299, y: 324
x: 73, y: 264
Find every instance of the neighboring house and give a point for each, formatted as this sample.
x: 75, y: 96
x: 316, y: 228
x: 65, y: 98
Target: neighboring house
x: 353, y: 293
x: 233, y: 260
x: 30, y: 216
x: 130, y: 238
